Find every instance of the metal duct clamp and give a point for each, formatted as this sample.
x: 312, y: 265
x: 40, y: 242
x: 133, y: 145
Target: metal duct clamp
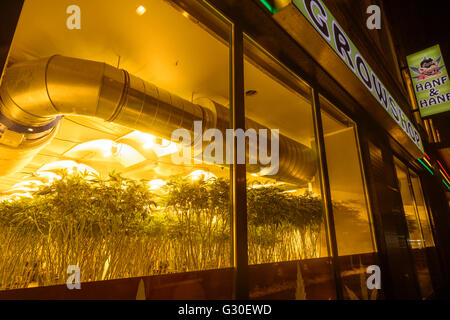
x: 13, y: 133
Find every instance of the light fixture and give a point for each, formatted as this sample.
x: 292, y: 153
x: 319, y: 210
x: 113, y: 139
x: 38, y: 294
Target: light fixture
x: 22, y: 189
x: 69, y: 165
x: 27, y: 184
x: 201, y: 175
x: 156, y: 184
x: 140, y: 10
x: 160, y: 146
x: 21, y: 195
x: 48, y: 176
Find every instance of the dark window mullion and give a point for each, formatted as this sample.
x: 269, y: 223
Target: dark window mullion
x: 326, y: 190
x: 239, y: 185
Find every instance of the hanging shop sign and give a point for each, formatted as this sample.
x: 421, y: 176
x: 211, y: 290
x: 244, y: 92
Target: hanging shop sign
x: 430, y: 80
x: 324, y: 22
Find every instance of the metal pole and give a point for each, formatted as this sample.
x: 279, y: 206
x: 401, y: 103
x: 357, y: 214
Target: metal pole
x: 327, y: 194
x: 239, y: 185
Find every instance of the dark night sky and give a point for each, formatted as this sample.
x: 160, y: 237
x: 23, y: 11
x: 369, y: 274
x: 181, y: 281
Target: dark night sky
x: 417, y: 25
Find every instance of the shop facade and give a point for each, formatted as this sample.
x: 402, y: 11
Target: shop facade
x: 348, y: 195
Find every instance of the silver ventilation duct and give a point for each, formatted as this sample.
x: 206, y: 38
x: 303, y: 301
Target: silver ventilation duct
x: 35, y: 94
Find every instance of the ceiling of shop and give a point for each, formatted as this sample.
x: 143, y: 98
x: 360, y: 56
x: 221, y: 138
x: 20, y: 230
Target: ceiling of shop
x: 162, y: 47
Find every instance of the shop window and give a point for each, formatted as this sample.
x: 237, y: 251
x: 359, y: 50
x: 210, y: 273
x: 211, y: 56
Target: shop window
x: 416, y: 226
x: 422, y: 210
x: 287, y: 239
x: 108, y: 197
x: 352, y: 218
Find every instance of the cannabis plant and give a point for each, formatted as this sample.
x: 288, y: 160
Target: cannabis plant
x: 116, y: 227
x: 104, y: 226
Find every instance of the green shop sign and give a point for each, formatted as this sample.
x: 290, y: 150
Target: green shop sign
x: 430, y: 80
x: 324, y: 22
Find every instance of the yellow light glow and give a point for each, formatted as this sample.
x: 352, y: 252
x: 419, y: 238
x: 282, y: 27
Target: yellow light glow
x: 106, y: 148
x: 257, y: 186
x: 201, y: 175
x: 103, y: 146
x: 127, y: 156
x: 141, y: 10
x: 22, y: 189
x: 50, y: 176
x: 161, y: 146
x: 27, y: 183
x: 21, y: 195
x: 68, y: 165
x: 156, y: 184
x: 267, y: 171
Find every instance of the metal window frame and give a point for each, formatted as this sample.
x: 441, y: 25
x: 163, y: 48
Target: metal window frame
x: 396, y: 160
x: 238, y: 171
x: 428, y: 215
x: 326, y: 192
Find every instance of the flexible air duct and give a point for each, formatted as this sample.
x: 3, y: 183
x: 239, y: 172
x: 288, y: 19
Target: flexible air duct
x: 35, y: 94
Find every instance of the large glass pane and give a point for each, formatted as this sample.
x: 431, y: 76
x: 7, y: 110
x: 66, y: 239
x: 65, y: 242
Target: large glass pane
x: 415, y: 238
x: 352, y: 219
x: 427, y: 230
x: 287, y: 237
x: 422, y: 210
x: 111, y: 192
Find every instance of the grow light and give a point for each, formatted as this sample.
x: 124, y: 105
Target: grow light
x: 201, y: 175
x: 156, y: 184
x: 103, y: 146
x: 21, y: 195
x: 27, y: 183
x: 49, y: 176
x: 160, y: 146
x: 140, y: 10
x: 20, y: 189
x: 68, y: 165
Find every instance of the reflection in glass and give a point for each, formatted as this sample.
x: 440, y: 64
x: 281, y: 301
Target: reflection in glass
x: 415, y: 236
x: 422, y: 210
x: 348, y: 194
x: 107, y: 197
x: 352, y: 219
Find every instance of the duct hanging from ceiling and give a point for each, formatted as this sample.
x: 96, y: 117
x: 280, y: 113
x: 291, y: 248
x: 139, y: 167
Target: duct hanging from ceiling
x: 35, y: 94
